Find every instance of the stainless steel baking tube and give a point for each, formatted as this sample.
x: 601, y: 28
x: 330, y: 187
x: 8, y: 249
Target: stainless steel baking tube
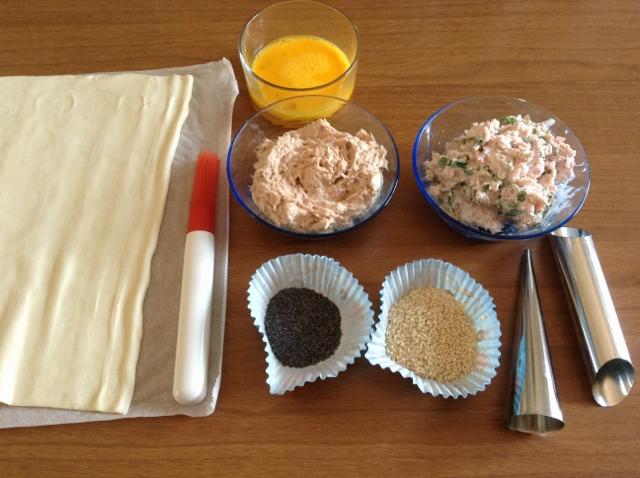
x: 605, y: 351
x: 534, y: 405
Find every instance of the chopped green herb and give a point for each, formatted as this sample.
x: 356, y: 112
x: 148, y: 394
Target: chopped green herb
x: 462, y: 165
x: 511, y: 213
x: 535, y: 131
x: 443, y: 161
x: 510, y: 210
x: 486, y: 187
x: 522, y: 195
x: 508, y: 120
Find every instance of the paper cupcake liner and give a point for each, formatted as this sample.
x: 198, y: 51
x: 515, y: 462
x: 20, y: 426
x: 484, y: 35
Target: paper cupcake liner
x: 327, y: 277
x: 479, y: 306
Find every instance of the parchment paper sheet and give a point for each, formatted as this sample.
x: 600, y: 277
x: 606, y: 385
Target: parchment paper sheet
x: 208, y: 126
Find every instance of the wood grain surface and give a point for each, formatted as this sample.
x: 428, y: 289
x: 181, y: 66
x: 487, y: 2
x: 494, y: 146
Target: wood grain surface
x: 579, y: 59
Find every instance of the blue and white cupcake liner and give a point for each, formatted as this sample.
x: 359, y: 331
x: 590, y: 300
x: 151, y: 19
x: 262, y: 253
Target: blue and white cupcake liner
x: 327, y: 277
x: 480, y: 309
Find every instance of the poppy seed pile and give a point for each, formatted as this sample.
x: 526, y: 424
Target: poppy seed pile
x: 430, y: 333
x: 302, y: 326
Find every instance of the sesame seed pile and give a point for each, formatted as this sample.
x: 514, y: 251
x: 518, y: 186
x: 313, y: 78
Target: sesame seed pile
x: 430, y: 333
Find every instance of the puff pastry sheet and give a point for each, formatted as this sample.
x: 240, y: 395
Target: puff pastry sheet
x: 84, y: 172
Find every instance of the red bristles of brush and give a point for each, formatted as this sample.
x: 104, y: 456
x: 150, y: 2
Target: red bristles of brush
x: 202, y: 213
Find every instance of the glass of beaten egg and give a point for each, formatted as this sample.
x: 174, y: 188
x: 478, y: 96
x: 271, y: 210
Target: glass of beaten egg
x: 299, y: 48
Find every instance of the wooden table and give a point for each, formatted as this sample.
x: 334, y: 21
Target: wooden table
x: 580, y: 60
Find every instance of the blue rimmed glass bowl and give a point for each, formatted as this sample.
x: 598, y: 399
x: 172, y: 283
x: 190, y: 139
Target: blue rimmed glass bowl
x: 343, y: 115
x: 451, y: 121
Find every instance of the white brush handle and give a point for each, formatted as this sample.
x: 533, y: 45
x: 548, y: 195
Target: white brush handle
x: 192, y: 350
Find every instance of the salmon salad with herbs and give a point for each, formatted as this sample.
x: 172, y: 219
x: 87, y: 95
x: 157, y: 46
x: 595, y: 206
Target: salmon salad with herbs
x: 501, y: 172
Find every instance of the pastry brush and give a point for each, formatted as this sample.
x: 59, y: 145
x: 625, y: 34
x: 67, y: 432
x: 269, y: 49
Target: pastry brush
x: 192, y: 349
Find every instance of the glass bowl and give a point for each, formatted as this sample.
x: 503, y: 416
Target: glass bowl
x: 348, y: 117
x: 297, y: 18
x: 451, y: 121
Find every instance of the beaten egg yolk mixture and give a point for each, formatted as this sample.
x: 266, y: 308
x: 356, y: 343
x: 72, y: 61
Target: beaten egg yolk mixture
x: 301, y: 61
